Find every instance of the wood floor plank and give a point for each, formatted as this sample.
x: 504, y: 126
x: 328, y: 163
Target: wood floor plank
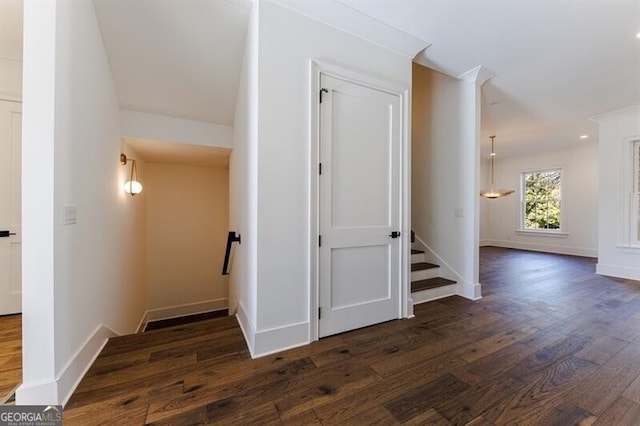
x: 491, y: 344
x: 632, y: 392
x: 622, y: 412
x: 612, y: 378
x: 430, y: 417
x: 550, y: 343
x: 418, y: 400
x: 10, y: 353
x: 565, y: 414
x: 543, y: 390
x: 601, y: 349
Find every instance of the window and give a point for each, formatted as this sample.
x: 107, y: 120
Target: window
x: 541, y: 199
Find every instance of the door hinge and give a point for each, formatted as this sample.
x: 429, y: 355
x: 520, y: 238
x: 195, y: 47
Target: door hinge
x: 319, y: 168
x: 322, y: 90
x: 319, y: 240
x: 319, y: 313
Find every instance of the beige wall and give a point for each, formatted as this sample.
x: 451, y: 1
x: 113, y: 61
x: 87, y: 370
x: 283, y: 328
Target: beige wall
x: 187, y: 222
x: 436, y: 185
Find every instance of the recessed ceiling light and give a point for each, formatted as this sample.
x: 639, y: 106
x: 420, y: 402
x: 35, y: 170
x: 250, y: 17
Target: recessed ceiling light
x: 584, y: 136
x: 638, y: 35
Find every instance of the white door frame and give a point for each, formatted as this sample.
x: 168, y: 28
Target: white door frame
x: 337, y: 71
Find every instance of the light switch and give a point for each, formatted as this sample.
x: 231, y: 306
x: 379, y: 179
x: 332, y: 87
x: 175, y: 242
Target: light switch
x: 70, y: 215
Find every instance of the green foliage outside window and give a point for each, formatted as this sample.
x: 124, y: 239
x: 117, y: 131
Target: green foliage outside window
x: 542, y: 199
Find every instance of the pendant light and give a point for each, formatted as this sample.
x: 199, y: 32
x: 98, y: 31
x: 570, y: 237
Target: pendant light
x: 492, y: 193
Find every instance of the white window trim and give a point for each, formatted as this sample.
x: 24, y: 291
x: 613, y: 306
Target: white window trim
x: 542, y: 232
x: 634, y: 211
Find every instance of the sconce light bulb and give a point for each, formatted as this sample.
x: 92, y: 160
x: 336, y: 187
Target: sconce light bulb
x: 132, y: 187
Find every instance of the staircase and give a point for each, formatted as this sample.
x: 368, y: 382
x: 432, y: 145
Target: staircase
x: 426, y: 282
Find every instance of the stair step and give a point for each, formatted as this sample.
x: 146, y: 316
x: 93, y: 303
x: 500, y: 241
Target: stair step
x: 430, y: 283
x: 421, y: 266
x: 414, y: 251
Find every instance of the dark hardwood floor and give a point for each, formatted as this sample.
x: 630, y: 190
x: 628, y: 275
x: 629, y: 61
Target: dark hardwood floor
x: 10, y: 354
x: 551, y: 343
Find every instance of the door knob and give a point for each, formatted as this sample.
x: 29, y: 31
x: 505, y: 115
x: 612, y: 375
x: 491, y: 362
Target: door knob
x: 6, y: 234
x: 394, y: 234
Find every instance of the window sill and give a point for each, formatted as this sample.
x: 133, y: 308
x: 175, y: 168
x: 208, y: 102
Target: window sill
x: 629, y: 248
x: 541, y: 233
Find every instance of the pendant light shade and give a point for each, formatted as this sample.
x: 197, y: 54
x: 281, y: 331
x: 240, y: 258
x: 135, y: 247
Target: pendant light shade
x: 494, y: 193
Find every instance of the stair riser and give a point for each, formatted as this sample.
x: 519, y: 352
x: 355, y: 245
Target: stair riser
x: 417, y: 258
x: 425, y: 274
x: 434, y: 294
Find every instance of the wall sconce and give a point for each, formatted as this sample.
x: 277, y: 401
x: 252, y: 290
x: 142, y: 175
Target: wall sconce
x: 132, y: 186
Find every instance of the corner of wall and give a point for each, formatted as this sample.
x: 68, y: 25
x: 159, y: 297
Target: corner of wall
x: 247, y: 329
x: 618, y: 271
x: 280, y: 339
x: 60, y: 390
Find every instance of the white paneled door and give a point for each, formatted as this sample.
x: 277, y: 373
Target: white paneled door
x: 359, y: 206
x: 10, y: 229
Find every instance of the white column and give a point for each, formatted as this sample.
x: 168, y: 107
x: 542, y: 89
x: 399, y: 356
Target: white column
x: 39, y: 386
x: 470, y: 103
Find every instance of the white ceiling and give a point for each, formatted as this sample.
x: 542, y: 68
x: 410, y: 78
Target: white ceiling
x: 556, y: 62
x: 177, y: 58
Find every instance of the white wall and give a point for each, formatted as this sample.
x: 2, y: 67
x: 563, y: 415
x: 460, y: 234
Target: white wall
x: 617, y: 256
x: 579, y: 216
x: 288, y: 43
x: 186, y: 223
x: 171, y: 129
x: 243, y: 187
x: 83, y: 282
x: 445, y: 207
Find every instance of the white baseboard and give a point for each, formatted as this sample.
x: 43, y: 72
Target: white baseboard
x: 470, y: 291
x: 410, y: 313
x: 546, y: 248
x: 617, y: 271
x: 245, y: 326
x: 38, y: 394
x: 281, y: 338
x: 143, y: 322
x: 186, y: 309
x: 59, y: 391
